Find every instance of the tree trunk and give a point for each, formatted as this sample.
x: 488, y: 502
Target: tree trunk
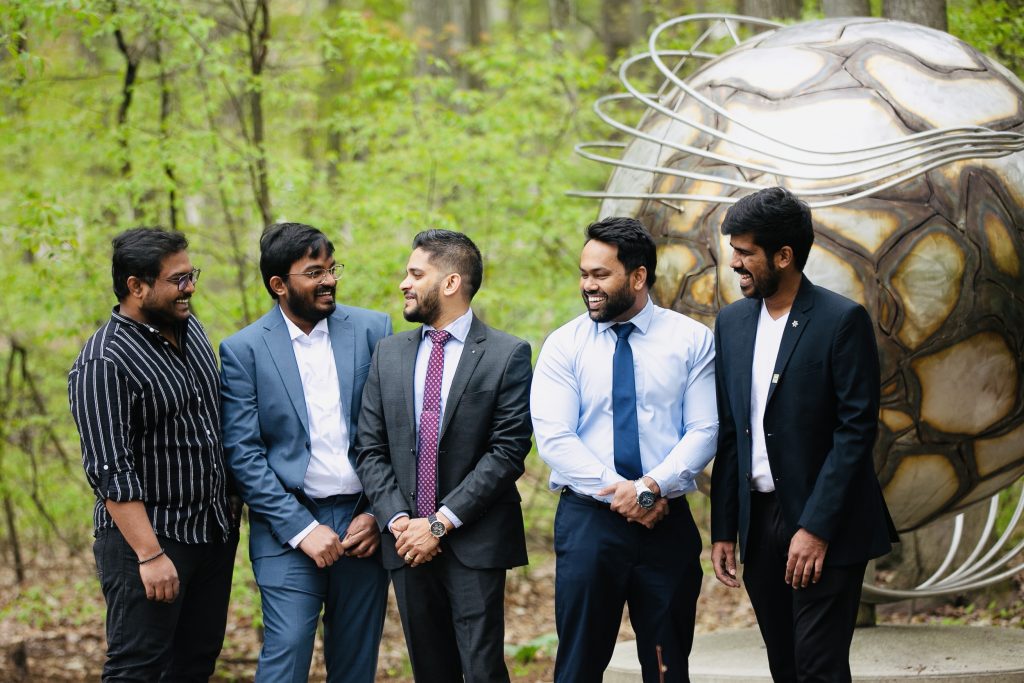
x: 431, y: 19
x: 560, y: 14
x: 771, y: 9
x: 132, y: 58
x: 622, y: 23
x: 846, y: 8
x: 259, y: 34
x: 930, y: 13
x: 165, y: 113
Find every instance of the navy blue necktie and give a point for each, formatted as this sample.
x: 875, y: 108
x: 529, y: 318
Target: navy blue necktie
x: 627, y: 434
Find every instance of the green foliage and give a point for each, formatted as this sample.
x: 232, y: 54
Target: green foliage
x: 541, y: 646
x: 993, y: 26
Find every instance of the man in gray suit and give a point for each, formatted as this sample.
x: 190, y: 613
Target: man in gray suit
x: 443, y: 433
x: 290, y: 393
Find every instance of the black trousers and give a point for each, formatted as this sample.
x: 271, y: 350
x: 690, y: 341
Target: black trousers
x: 806, y: 631
x: 603, y: 563
x: 151, y: 641
x: 453, y: 617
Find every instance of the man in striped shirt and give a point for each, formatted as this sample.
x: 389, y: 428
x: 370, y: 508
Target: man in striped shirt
x: 144, y: 393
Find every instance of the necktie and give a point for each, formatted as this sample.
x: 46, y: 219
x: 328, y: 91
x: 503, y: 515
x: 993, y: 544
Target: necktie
x: 430, y: 423
x: 627, y: 434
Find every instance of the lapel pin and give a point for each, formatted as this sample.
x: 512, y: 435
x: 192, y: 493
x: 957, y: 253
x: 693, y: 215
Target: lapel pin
x: 796, y: 323
x: 775, y: 378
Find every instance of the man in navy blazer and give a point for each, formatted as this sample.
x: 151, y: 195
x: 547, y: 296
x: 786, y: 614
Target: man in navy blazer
x: 798, y: 395
x: 292, y: 383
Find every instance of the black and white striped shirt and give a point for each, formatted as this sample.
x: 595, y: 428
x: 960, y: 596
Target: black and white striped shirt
x: 149, y: 420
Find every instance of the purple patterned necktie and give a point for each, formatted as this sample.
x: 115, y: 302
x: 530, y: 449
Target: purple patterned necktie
x: 430, y: 423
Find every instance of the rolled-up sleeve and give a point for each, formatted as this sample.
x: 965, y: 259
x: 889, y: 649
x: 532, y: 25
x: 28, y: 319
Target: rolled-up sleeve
x: 101, y: 404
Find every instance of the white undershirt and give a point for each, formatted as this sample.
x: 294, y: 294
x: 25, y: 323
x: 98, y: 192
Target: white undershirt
x: 762, y: 374
x: 329, y: 472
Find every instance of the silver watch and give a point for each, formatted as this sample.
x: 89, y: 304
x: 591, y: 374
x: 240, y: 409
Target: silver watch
x: 644, y: 496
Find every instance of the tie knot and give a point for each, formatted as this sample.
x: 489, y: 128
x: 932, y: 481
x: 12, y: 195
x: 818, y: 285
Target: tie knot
x: 624, y: 330
x: 439, y: 337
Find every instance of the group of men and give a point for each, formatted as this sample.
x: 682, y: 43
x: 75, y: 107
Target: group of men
x: 366, y: 456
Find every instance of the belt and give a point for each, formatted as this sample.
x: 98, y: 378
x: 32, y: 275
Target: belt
x: 337, y: 499
x: 594, y: 502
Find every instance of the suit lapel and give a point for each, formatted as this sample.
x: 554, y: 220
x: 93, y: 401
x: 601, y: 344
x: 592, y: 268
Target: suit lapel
x: 472, y: 352
x: 745, y: 354
x: 409, y: 349
x: 280, y: 346
x: 799, y: 318
x: 343, y: 344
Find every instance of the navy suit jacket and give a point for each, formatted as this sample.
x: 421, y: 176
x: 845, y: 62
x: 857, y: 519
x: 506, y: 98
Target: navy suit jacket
x: 484, y: 439
x: 820, y: 425
x: 266, y: 430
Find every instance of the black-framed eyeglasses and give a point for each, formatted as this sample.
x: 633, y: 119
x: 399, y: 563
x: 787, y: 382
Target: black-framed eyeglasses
x: 183, y: 280
x: 320, y: 274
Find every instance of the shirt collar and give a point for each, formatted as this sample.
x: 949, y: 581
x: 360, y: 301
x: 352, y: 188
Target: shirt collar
x: 458, y: 328
x: 642, y: 320
x: 294, y: 333
x: 120, y: 317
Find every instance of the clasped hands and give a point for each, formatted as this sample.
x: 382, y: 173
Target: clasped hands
x: 413, y: 541
x: 361, y: 540
x: 624, y: 502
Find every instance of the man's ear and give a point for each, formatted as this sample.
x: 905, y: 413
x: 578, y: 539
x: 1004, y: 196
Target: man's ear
x: 638, y: 278
x: 278, y: 286
x: 452, y: 284
x: 135, y: 286
x: 783, y: 257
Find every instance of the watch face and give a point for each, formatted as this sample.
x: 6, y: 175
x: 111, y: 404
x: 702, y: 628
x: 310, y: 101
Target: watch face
x: 645, y: 500
x: 437, y: 528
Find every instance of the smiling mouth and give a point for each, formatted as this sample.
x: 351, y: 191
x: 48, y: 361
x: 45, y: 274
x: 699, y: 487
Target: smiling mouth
x: 594, y: 299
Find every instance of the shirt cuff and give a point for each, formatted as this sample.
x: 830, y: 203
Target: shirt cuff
x: 446, y: 511
x: 295, y: 540
x: 396, y: 517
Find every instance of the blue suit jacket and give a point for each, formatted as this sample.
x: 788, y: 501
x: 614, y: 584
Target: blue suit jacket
x: 820, y: 425
x: 266, y: 430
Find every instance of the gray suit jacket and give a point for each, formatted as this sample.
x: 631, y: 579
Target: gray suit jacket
x: 484, y: 440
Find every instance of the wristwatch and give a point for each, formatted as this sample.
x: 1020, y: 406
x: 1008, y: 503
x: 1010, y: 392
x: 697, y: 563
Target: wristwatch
x: 437, y: 528
x: 644, y: 496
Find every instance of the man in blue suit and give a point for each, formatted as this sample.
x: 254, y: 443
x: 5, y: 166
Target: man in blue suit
x: 292, y: 383
x: 798, y: 394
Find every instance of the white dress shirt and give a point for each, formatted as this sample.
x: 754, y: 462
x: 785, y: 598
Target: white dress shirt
x: 762, y: 375
x: 329, y: 472
x: 459, y: 330
x: 571, y: 401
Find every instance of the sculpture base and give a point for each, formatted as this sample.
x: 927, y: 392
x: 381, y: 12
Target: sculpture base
x: 886, y: 654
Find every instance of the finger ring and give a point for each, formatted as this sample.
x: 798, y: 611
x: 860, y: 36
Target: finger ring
x: 408, y: 557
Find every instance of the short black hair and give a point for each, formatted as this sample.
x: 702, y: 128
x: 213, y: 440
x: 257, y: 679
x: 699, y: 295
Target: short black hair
x: 455, y: 252
x: 282, y: 244
x: 775, y: 218
x: 140, y: 252
x: 635, y: 244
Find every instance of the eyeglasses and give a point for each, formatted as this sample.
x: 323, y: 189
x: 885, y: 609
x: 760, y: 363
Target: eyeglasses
x: 320, y: 274
x: 183, y: 280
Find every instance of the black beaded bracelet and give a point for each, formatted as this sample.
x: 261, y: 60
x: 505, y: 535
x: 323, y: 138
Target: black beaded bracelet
x: 150, y: 559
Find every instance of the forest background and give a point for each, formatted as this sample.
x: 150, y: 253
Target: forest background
x: 370, y: 119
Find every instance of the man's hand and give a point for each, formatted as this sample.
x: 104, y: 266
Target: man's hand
x: 723, y: 559
x: 416, y: 545
x: 362, y: 538
x: 624, y: 502
x: 806, y: 559
x: 322, y: 545
x: 160, y: 577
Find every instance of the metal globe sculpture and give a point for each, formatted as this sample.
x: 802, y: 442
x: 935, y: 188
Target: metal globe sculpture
x: 907, y: 143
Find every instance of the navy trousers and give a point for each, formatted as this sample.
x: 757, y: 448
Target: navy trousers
x: 151, y: 641
x: 604, y: 562
x: 351, y: 593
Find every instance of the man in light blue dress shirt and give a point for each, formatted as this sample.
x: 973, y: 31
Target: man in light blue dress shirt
x: 623, y: 405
